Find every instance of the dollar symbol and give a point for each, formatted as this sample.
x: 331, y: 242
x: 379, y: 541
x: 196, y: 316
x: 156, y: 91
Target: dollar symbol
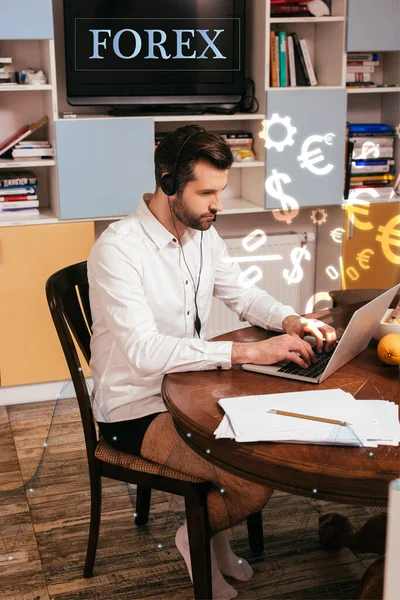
x: 273, y: 186
x: 390, y: 236
x: 296, y: 256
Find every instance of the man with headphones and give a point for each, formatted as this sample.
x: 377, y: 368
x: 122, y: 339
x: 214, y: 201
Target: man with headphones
x: 152, y: 276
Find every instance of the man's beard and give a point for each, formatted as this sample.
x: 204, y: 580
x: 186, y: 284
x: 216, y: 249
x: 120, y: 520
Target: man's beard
x: 188, y: 218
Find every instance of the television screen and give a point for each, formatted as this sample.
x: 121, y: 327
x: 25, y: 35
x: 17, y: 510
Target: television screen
x: 154, y: 52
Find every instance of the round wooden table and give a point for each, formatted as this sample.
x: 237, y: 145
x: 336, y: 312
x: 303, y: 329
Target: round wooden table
x: 345, y: 474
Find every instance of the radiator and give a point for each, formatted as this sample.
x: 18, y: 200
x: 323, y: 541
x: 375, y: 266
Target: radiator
x: 222, y: 319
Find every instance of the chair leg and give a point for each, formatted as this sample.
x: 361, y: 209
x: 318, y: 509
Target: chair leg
x: 95, y: 514
x: 143, y: 496
x: 199, y: 542
x: 255, y: 532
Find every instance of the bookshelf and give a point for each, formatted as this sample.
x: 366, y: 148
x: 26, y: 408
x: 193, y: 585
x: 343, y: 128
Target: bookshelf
x: 84, y: 144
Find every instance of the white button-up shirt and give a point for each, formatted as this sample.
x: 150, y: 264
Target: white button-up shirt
x: 142, y: 301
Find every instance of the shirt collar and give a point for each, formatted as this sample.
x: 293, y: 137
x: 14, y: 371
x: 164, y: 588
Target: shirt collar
x: 155, y: 230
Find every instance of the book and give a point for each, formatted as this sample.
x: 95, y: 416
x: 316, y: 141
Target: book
x: 5, y: 193
x: 347, y: 166
x: 361, y: 56
x: 247, y: 143
x: 282, y: 59
x: 357, y: 69
x: 302, y: 78
x: 235, y: 134
x: 26, y: 204
x: 287, y: 63
x: 307, y: 60
x: 355, y: 77
x: 272, y: 60
x: 369, y: 128
x: 363, y: 63
x: 19, y: 212
x: 292, y: 65
x: 278, y: 67
x: 359, y: 140
x: 17, y: 178
x: 19, y: 135
x: 370, y: 178
x: 33, y: 144
x: 377, y: 167
x: 290, y: 10
x: 30, y: 152
x: 361, y: 153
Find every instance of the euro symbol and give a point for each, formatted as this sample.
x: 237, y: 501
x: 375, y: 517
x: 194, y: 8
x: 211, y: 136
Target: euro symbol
x: 390, y: 236
x: 309, y: 158
x: 336, y: 234
x: 363, y: 258
x: 357, y: 206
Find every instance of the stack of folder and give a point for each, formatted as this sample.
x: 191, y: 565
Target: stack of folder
x: 321, y: 417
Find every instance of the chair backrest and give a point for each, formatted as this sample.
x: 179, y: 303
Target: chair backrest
x: 67, y: 293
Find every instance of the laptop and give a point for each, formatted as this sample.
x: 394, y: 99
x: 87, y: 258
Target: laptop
x: 354, y: 340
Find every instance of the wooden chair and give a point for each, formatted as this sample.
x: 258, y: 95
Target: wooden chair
x: 67, y: 294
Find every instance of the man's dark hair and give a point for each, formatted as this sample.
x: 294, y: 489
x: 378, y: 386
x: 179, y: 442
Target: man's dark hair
x: 205, y: 145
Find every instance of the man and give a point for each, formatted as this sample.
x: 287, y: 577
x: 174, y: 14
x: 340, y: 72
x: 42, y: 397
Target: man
x: 152, y: 276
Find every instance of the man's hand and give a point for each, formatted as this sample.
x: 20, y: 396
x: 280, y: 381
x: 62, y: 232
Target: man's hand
x: 299, y: 327
x: 272, y: 350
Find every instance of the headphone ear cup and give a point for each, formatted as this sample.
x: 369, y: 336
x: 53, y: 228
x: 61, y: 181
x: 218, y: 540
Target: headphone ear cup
x: 167, y: 185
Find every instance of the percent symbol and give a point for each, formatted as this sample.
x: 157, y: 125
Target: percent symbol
x: 250, y: 243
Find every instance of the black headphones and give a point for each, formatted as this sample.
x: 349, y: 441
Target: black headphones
x: 168, y: 182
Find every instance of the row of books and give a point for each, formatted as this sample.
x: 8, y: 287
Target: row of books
x: 6, y: 70
x: 290, y: 62
x: 32, y: 149
x: 18, y: 194
x: 241, y: 143
x: 370, y: 156
x: 361, y: 68
x: 298, y: 8
x: 7, y: 145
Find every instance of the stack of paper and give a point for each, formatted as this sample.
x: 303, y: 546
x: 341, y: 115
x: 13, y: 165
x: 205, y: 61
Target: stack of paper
x: 369, y: 422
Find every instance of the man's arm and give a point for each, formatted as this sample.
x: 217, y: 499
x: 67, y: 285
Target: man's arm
x: 252, y: 304
x: 132, y: 325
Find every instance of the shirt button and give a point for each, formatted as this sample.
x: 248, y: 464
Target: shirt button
x: 188, y: 312
x: 174, y: 239
x: 187, y: 282
x: 219, y: 367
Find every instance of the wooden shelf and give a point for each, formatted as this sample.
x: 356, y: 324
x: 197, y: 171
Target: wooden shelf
x: 45, y: 217
x: 248, y: 164
x: 305, y: 87
x: 19, y: 164
x: 381, y: 90
x: 237, y: 206
x: 182, y: 118
x: 307, y: 19
x: 24, y: 88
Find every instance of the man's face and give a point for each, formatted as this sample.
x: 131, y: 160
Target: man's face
x: 200, y: 200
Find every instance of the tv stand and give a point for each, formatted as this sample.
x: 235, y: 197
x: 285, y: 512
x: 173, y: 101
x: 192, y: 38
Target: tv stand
x: 154, y: 110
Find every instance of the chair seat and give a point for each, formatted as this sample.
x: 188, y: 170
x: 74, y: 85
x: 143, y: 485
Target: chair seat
x: 108, y: 454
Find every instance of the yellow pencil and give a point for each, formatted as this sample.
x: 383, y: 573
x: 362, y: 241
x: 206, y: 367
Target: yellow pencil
x: 309, y: 417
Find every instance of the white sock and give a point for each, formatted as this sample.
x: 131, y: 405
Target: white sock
x: 222, y: 590
x: 228, y: 562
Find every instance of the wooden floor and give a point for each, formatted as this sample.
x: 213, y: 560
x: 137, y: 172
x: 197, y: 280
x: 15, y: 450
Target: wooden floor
x: 44, y: 517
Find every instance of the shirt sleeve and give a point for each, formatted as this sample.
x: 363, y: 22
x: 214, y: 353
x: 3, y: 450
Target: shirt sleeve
x: 117, y: 282
x: 252, y: 304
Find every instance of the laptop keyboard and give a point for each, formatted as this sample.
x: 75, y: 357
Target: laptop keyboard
x: 314, y: 370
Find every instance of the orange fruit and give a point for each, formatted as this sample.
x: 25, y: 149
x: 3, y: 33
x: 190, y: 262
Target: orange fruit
x: 389, y: 349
